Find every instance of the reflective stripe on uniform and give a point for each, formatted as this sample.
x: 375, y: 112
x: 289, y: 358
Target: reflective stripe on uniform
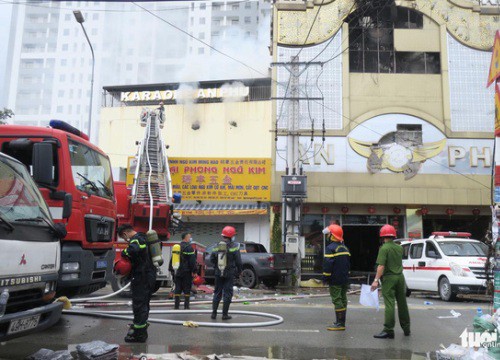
x: 327, y: 274
x: 188, y: 253
x: 140, y: 326
x: 233, y: 249
x: 337, y: 254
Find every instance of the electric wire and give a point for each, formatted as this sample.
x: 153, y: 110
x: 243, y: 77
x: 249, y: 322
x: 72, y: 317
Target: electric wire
x: 274, y: 80
x: 39, y: 4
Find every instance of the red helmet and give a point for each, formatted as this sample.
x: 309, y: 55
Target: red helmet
x: 228, y: 232
x: 388, y: 231
x: 122, y: 267
x: 337, y: 232
x: 198, y: 280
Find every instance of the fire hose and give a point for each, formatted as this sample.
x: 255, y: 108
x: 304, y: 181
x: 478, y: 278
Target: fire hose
x: 128, y: 315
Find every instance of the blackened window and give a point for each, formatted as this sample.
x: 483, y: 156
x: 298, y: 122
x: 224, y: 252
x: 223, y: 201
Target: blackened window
x: 371, y: 43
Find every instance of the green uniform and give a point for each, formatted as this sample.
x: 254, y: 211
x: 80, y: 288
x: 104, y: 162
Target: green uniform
x: 393, y: 286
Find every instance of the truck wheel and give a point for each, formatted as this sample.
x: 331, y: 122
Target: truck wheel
x: 249, y: 278
x: 118, y: 283
x: 445, y: 291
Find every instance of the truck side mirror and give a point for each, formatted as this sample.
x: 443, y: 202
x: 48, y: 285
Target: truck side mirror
x: 67, y: 206
x: 43, y: 163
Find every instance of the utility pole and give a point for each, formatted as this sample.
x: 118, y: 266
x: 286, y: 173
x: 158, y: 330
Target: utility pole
x: 294, y: 183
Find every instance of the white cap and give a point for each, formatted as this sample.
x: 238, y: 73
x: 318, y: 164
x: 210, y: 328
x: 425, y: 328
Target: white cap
x: 326, y: 231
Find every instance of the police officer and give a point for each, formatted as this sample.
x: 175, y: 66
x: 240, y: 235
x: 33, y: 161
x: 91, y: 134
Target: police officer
x: 224, y: 279
x: 183, y: 277
x: 143, y: 281
x: 336, y: 265
x: 390, y: 270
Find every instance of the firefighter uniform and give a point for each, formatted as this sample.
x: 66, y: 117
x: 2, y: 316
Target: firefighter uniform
x: 142, y: 284
x: 224, y: 280
x: 393, y: 287
x: 184, y: 275
x: 336, y: 266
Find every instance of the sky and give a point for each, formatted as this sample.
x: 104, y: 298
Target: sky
x: 5, y: 14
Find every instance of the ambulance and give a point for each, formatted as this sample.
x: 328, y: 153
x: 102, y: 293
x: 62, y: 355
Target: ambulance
x: 449, y: 263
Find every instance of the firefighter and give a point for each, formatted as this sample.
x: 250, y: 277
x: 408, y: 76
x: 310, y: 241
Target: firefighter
x: 390, y: 271
x: 227, y: 262
x: 183, y: 277
x: 143, y: 281
x: 336, y: 265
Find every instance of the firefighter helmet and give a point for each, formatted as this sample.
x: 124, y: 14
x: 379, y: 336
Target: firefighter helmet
x: 388, y: 231
x: 228, y: 232
x: 122, y: 267
x: 336, y: 232
x: 198, y: 280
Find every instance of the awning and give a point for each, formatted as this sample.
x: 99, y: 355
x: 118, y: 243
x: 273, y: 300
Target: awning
x: 222, y: 209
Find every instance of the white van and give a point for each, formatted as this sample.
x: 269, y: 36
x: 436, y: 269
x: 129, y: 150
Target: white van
x: 449, y: 263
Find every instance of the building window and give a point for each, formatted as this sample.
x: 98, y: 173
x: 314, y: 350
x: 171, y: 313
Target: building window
x: 203, y: 6
x: 235, y: 21
x: 60, y: 93
x: 62, y: 78
x: 95, y: 17
x: 192, y: 6
x: 66, y: 32
x: 371, y: 44
x: 216, y: 7
x: 129, y: 67
x: 216, y: 22
x: 67, y: 17
x: 192, y: 21
x: 64, y: 62
x: 201, y: 51
x: 59, y: 110
x: 94, y: 31
x: 248, y: 19
x: 235, y: 6
x: 215, y: 34
x: 65, y: 47
x: 248, y: 5
x: 201, y: 36
x: 202, y: 21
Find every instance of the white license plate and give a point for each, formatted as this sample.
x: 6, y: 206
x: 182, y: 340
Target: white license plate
x: 283, y: 271
x: 23, y: 324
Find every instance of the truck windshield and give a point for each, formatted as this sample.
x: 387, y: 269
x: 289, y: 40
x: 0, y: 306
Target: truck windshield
x: 463, y: 248
x: 19, y: 196
x: 91, y: 170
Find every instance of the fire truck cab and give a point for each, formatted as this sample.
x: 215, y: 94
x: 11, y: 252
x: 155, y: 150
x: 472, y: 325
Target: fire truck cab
x: 68, y: 168
x: 449, y: 263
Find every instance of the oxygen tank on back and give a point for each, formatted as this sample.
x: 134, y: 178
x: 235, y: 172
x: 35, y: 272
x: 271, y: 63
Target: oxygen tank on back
x: 154, y: 246
x: 176, y: 256
x: 222, y: 256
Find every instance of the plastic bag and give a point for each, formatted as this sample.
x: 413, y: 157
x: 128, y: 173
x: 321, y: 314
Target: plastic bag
x: 368, y: 297
x: 97, y: 350
x: 47, y: 354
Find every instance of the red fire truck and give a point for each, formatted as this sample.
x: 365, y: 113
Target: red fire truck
x: 69, y: 169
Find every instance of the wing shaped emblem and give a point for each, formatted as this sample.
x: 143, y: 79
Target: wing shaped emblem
x: 428, y: 150
x: 363, y: 148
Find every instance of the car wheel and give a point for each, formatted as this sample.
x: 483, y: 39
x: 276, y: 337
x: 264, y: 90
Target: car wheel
x: 445, y: 291
x: 248, y: 278
x: 271, y: 283
x: 120, y: 282
x: 408, y: 291
x: 158, y: 285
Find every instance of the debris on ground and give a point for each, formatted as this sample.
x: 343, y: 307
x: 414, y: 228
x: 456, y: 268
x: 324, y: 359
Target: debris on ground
x: 47, y: 354
x: 313, y: 283
x: 97, y: 350
x: 188, y: 356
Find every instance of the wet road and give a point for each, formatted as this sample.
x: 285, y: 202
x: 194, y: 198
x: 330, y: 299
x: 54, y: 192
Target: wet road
x: 301, y: 336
